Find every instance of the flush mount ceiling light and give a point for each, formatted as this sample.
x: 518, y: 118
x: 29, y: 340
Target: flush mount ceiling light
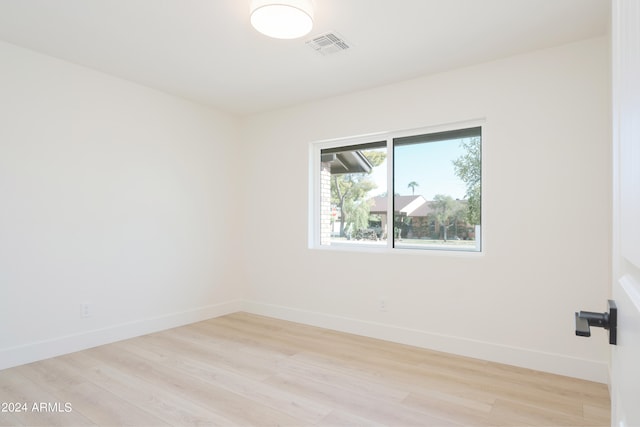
x: 282, y: 19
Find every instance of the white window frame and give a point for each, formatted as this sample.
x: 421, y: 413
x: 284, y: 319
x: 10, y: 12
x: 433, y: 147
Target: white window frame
x: 314, y: 217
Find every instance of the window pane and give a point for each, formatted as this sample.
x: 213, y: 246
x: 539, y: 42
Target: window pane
x: 353, y: 189
x: 437, y: 187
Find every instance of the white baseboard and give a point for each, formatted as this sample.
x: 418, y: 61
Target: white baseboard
x: 590, y: 370
x: 548, y: 362
x: 45, y: 349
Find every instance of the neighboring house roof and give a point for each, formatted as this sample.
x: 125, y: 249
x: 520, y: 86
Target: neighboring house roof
x: 414, y: 206
x: 423, y: 210
x: 405, y: 205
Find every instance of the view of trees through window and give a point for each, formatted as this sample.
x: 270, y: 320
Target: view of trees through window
x: 436, y: 189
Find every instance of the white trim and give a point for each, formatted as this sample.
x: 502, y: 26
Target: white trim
x: 314, y: 199
x: 382, y: 249
x: 632, y: 289
x: 399, y: 133
x: 351, y: 140
x: 586, y: 369
x: 531, y: 359
x: 443, y: 127
x: 53, y: 347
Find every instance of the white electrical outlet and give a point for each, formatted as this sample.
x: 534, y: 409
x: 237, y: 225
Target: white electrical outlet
x: 85, y: 310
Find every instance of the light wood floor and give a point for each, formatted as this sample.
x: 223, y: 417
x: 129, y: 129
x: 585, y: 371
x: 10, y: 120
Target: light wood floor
x: 242, y: 369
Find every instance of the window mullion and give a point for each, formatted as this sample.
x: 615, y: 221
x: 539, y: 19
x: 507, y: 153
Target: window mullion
x: 390, y: 193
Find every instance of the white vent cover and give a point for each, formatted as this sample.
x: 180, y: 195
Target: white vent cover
x: 327, y: 43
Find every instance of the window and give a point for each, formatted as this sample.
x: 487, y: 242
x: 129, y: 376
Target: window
x: 416, y: 190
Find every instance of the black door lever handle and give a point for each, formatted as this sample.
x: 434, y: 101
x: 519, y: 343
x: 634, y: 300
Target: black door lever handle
x: 607, y: 320
x: 582, y: 326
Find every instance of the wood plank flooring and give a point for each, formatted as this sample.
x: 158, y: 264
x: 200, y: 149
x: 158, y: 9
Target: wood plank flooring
x: 243, y: 369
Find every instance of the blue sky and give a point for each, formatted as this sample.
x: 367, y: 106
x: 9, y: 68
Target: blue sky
x: 429, y: 164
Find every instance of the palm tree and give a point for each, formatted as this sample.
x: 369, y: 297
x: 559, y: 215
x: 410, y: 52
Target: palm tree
x: 412, y: 185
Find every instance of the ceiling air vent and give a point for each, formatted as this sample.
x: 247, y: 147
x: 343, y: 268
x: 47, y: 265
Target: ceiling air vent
x: 327, y: 43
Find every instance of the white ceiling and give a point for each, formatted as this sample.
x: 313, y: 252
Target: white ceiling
x: 206, y: 50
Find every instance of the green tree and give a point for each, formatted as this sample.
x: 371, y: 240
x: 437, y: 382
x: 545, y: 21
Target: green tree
x: 443, y: 207
x: 349, y: 194
x: 467, y: 168
x: 412, y: 185
x: 459, y: 215
x: 358, y: 214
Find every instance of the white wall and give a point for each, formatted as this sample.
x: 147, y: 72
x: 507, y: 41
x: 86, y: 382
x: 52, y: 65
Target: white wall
x: 546, y: 217
x: 127, y: 198
x: 112, y: 194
